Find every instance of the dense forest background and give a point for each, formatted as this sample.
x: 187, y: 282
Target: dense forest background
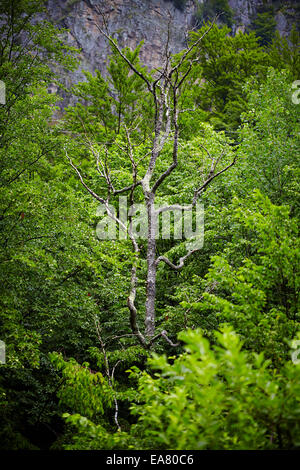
x: 130, y: 343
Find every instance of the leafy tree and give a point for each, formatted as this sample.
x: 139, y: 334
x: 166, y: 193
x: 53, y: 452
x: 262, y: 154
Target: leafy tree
x: 256, y: 278
x: 264, y: 24
x: 28, y: 50
x: 207, y: 10
x: 36, y: 210
x: 270, y: 140
x: 284, y: 52
x: 219, y: 397
x: 226, y: 62
x: 104, y: 106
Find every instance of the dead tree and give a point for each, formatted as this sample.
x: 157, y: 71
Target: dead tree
x: 165, y: 88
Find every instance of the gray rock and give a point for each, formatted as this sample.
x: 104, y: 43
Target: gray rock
x: 132, y: 21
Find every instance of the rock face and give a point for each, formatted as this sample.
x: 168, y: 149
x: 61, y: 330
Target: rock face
x: 245, y: 10
x: 132, y: 21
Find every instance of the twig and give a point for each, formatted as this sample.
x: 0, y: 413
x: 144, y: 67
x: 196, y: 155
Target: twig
x: 109, y: 376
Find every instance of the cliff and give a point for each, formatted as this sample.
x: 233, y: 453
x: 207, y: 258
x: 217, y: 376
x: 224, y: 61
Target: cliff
x: 134, y: 20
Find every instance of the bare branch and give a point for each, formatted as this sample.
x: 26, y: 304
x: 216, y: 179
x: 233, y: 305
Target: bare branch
x: 107, y: 371
x: 131, y: 302
x: 127, y: 188
x: 198, y: 191
x: 126, y: 335
x: 100, y: 199
x: 174, y: 207
x: 133, y: 282
x: 131, y: 65
x: 162, y: 334
x: 209, y: 180
x: 192, y: 47
x: 181, y: 260
x: 175, y: 149
x: 114, y: 368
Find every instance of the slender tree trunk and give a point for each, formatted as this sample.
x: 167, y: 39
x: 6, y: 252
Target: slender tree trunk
x: 151, y: 270
x: 165, y: 90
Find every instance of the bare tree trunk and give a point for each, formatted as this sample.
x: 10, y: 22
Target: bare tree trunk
x: 151, y: 269
x: 165, y: 89
x: 150, y: 290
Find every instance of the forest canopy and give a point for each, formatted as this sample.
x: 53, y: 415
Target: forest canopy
x: 177, y: 326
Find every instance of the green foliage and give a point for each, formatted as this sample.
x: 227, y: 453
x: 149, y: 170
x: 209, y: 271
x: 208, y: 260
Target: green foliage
x: 37, y: 234
x: 27, y: 145
x: 264, y: 24
x: 126, y: 357
x: 270, y: 140
x: 218, y: 398
x: 284, y: 52
x: 104, y: 105
x: 82, y: 391
x: 209, y: 9
x: 226, y: 62
x: 258, y: 291
x: 88, y: 436
x: 57, y: 278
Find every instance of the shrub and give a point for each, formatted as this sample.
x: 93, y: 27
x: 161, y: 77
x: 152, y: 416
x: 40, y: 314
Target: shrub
x: 218, y: 398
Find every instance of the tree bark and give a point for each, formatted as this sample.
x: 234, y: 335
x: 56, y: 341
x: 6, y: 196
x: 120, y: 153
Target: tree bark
x: 151, y: 269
